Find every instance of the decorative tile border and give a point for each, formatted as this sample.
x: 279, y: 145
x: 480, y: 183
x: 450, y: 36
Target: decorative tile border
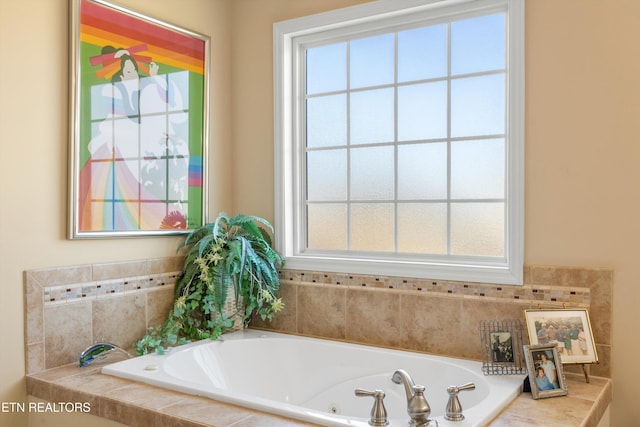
x: 105, y: 288
x: 545, y: 295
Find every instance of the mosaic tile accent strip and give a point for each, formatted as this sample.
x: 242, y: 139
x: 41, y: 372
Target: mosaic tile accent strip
x: 106, y: 288
x: 545, y: 295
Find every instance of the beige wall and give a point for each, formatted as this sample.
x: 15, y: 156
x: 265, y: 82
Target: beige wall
x: 33, y: 155
x: 583, y: 104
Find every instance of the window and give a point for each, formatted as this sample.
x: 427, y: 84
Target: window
x: 399, y: 140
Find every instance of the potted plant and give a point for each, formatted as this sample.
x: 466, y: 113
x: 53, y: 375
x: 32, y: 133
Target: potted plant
x: 230, y: 273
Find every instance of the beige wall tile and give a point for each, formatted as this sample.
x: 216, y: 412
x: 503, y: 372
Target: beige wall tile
x: 62, y: 275
x: 285, y: 320
x: 116, y: 270
x: 162, y: 265
x: 120, y: 320
x: 159, y: 303
x: 67, y: 332
x: 373, y: 317
x: 321, y: 311
x: 430, y: 323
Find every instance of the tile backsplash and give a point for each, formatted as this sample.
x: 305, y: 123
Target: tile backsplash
x: 69, y: 308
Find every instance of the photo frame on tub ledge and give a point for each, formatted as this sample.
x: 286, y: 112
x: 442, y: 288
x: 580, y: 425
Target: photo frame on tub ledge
x: 138, y: 124
x: 502, y: 345
x: 544, y: 366
x: 569, y: 328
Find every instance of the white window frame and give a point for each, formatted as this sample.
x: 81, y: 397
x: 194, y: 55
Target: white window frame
x: 289, y: 195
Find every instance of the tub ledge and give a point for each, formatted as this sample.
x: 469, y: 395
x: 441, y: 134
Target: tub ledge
x: 142, y: 405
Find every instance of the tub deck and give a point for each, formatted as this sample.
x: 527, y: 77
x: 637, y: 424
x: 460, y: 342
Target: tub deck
x: 142, y: 405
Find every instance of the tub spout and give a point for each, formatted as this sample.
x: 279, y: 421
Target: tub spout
x: 100, y: 351
x: 417, y: 406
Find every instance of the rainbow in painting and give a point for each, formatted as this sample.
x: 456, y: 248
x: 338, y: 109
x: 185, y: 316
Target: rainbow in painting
x: 142, y: 86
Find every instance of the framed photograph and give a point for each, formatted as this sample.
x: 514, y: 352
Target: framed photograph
x: 544, y: 366
x: 138, y: 124
x: 502, y: 344
x: 570, y: 329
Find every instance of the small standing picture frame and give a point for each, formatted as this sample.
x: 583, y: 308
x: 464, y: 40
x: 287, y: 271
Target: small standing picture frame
x: 570, y: 329
x: 502, y: 344
x: 544, y: 366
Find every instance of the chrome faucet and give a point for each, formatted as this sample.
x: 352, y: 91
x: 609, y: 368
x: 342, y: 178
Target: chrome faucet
x: 100, y: 351
x: 417, y: 406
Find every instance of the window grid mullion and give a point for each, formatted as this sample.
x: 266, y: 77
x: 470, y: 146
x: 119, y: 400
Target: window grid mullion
x: 348, y: 150
x: 448, y: 243
x: 395, y: 143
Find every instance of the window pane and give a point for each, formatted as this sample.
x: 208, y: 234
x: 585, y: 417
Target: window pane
x: 327, y: 68
x: 422, y: 111
x: 372, y: 173
x: 372, y: 227
x: 422, y: 171
x: 327, y: 121
x: 422, y: 228
x: 327, y: 226
x: 372, y: 116
x: 422, y: 53
x: 478, y: 44
x: 478, y: 106
x: 323, y: 186
x: 371, y: 61
x: 477, y: 169
x: 477, y: 229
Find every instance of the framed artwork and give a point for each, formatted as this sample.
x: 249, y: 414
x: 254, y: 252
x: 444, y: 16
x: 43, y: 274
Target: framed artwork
x: 544, y: 366
x: 502, y: 345
x: 138, y: 124
x: 570, y: 329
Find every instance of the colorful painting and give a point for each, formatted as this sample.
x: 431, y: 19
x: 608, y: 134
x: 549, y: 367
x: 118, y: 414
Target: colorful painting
x: 139, y: 125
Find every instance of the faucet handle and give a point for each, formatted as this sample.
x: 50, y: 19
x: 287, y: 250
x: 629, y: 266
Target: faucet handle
x: 453, y: 411
x: 378, y: 412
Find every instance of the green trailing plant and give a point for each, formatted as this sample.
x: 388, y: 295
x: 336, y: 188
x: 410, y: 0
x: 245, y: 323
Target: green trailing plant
x: 231, y: 256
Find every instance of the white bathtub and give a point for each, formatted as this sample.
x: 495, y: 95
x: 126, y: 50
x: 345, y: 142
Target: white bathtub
x: 314, y: 380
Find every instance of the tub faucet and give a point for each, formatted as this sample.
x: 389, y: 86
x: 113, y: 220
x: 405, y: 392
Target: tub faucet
x: 417, y: 406
x: 100, y: 351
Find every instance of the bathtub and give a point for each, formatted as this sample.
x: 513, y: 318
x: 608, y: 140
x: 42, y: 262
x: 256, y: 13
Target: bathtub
x: 314, y: 380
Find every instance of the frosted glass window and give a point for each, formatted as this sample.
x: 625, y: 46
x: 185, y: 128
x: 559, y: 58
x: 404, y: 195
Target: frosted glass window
x: 477, y: 229
x: 326, y: 68
x: 478, y: 44
x: 372, y: 173
x: 371, y: 226
x: 327, y: 121
x: 477, y: 169
x: 422, y: 53
x: 478, y: 105
x: 327, y: 175
x: 422, y: 228
x: 392, y: 150
x: 422, y: 111
x: 372, y: 116
x: 422, y: 171
x: 371, y: 61
x: 327, y: 226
